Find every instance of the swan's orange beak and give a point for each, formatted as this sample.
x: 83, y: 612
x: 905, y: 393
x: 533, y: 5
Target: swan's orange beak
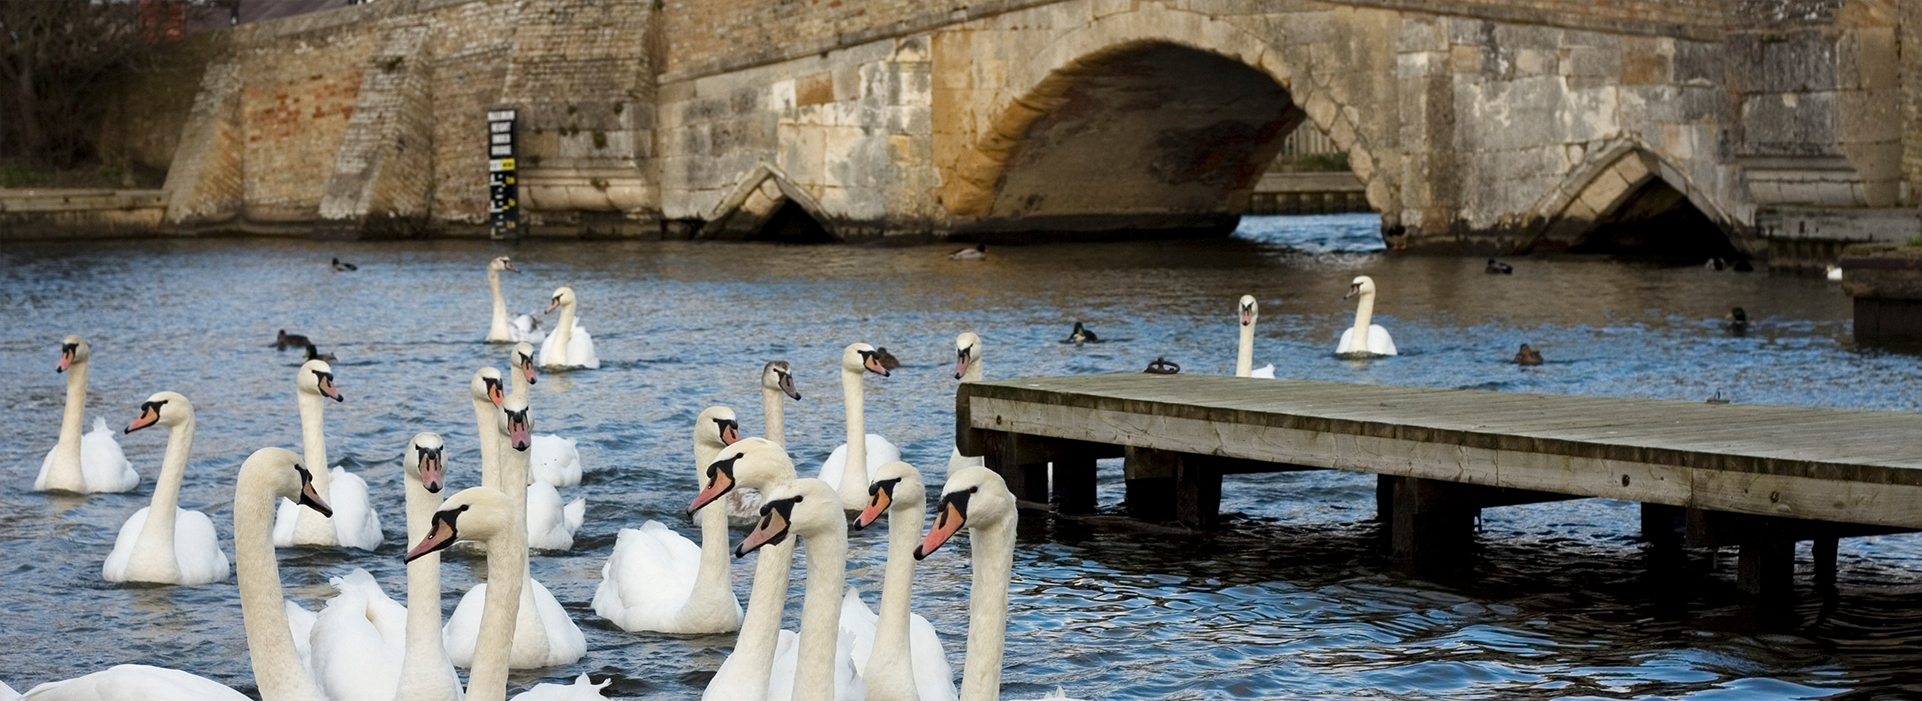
x: 326, y: 385
x: 433, y: 470
x: 309, y: 497
x: 438, y: 539
x: 149, y: 415
x: 527, y: 367
x: 719, y: 482
x: 518, y: 432
x: 1247, y: 316
x: 552, y: 305
x: 770, y: 531
x: 787, y: 386
x: 494, y: 391
x: 66, y: 357
x: 508, y: 266
x: 730, y: 434
x: 873, y: 364
x: 953, y: 515
x: 960, y: 363
x: 879, y: 497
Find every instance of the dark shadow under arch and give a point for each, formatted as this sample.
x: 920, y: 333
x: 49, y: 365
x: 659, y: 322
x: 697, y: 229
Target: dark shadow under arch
x: 792, y: 224
x: 1658, y: 222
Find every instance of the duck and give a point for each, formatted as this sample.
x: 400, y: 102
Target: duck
x: 267, y: 475
x: 1081, y: 335
x: 658, y: 580
x: 354, y: 523
x: 979, y: 252
x: 1365, y: 340
x: 544, y: 635
x: 1249, y: 311
x: 77, y: 464
x: 553, y: 459
x: 163, y: 543
x: 1163, y: 366
x: 313, y: 353
x: 868, y: 450
x: 977, y: 499
x: 901, y: 657
x: 967, y: 368
x: 822, y: 665
x: 1528, y: 356
x: 569, y: 346
x: 505, y: 327
x: 290, y: 340
x: 1737, y: 321
x: 1496, y: 267
x: 341, y: 266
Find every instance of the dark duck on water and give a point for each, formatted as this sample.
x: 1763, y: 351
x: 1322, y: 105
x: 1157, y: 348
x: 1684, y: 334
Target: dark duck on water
x: 1081, y: 335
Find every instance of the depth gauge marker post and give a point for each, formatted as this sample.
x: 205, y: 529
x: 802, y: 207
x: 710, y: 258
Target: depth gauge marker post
x: 503, y: 194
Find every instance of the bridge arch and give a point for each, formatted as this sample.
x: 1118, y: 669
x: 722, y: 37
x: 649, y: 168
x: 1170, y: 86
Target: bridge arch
x: 1176, y: 112
x: 1625, y: 200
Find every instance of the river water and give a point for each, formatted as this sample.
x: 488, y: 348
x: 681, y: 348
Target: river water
x: 1292, y: 600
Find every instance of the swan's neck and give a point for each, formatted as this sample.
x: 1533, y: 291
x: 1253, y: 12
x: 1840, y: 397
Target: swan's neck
x: 1245, y: 362
x: 854, y: 477
x: 277, y: 668
x: 159, y: 533
x: 313, y: 442
x: 506, y: 577
x: 564, y: 330
x: 66, y: 472
x: 712, y: 583
x: 521, y: 386
x: 497, y: 329
x: 821, y: 614
x: 973, y: 373
x: 422, y: 668
x: 490, y: 443
x: 987, y: 610
x: 1364, y: 313
x: 889, y: 673
x: 753, y: 654
x: 771, y: 411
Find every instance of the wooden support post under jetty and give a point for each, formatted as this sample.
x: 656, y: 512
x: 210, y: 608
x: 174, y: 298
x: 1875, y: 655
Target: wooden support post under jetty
x: 1765, y: 564
x: 1023, y: 461
x: 1430, y: 520
x: 1663, y: 526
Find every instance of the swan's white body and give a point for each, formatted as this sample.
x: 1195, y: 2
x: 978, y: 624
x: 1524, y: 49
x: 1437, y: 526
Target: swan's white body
x: 583, y: 689
x: 1245, y: 359
x: 897, y: 652
x: 90, y: 464
x: 505, y: 327
x: 569, y: 346
x: 131, y: 682
x: 1365, y: 339
x: 878, y: 451
x: 550, y: 523
x: 867, y: 450
x: 163, y: 543
x: 354, y: 524
x: 658, y: 580
x: 967, y: 360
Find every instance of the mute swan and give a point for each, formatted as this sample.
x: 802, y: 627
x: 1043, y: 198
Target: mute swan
x: 823, y: 667
x: 506, y: 328
x: 568, y: 346
x: 544, y: 636
x: 553, y: 459
x: 1496, y: 267
x: 977, y: 499
x: 1245, y: 361
x: 979, y: 252
x: 268, y: 474
x: 903, y: 659
x: 163, y: 543
x: 425, y: 672
x: 869, y: 450
x: 777, y: 379
x: 290, y: 340
x: 354, y: 523
x: 1365, y: 340
x: 1081, y: 335
x: 658, y: 580
x: 1528, y: 356
x: 760, y: 464
x: 967, y: 368
x: 92, y: 464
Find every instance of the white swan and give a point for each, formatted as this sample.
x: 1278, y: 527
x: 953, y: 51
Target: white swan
x: 568, y: 346
x: 163, y: 543
x: 425, y: 672
x: 903, y: 659
x: 543, y: 634
x: 777, y: 380
x: 268, y: 474
x: 1245, y: 361
x: 658, y: 580
x: 811, y: 510
x: 967, y: 368
x: 977, y: 498
x: 553, y: 459
x: 1365, y: 339
x: 508, y: 328
x: 760, y: 464
x: 354, y: 523
x: 487, y: 394
x: 862, y: 448
x: 83, y: 465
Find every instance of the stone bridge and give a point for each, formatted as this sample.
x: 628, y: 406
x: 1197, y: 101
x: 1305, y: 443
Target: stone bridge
x: 1680, y: 127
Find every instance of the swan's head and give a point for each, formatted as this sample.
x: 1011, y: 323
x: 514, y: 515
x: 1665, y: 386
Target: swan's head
x: 73, y: 350
x: 486, y: 386
x: 426, y: 461
x: 516, y: 425
x: 1250, y: 310
x: 776, y: 376
x: 808, y: 508
x: 502, y: 263
x: 755, y: 463
x: 716, y: 428
x: 168, y: 408
x: 1362, y: 285
x: 522, y: 358
x: 973, y: 496
x: 967, y: 352
x: 861, y: 356
x: 562, y: 297
x: 476, y: 513
x: 317, y: 377
x: 285, y: 477
x: 893, y: 478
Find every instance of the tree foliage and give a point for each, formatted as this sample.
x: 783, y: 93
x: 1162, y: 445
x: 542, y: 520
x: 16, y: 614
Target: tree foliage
x: 56, y: 56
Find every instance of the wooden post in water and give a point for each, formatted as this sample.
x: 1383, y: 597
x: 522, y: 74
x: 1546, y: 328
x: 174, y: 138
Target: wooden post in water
x: 1151, y: 482
x: 1197, y: 491
x: 1025, y: 472
x: 1073, y: 482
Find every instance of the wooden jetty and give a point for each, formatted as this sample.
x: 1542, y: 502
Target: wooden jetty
x: 1761, y: 477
